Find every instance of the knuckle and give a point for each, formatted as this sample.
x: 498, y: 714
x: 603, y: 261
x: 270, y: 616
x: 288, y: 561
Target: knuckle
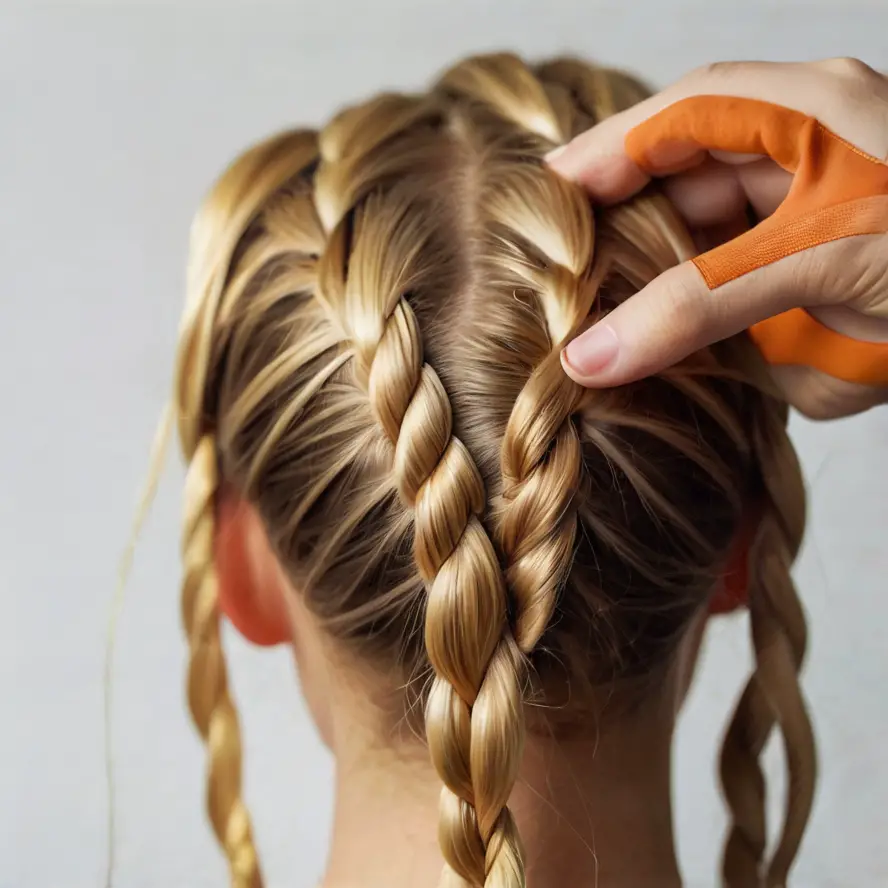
x: 804, y: 389
x: 831, y: 403
x: 715, y: 71
x: 684, y: 313
x: 819, y: 397
x: 812, y: 274
x: 847, y: 67
x: 814, y: 406
x: 855, y: 78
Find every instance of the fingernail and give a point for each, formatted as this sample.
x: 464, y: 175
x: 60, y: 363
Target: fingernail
x: 555, y: 152
x: 576, y: 164
x: 593, y: 351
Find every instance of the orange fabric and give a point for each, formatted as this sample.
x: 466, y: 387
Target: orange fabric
x: 794, y: 334
x: 837, y: 191
x: 774, y: 239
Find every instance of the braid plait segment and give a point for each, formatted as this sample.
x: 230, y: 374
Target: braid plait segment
x: 773, y: 693
x: 208, y: 695
x: 543, y: 231
x: 376, y: 254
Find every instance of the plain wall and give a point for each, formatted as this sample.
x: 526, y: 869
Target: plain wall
x: 113, y: 121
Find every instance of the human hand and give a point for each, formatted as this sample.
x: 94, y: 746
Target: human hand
x: 721, y: 153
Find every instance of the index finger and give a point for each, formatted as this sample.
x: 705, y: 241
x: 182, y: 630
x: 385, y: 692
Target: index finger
x: 845, y: 95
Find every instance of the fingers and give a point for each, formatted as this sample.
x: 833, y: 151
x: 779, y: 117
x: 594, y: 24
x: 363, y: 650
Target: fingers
x: 708, y: 195
x: 765, y: 185
x: 715, y: 193
x: 845, y: 95
x: 676, y: 315
x: 712, y: 236
x: 820, y: 396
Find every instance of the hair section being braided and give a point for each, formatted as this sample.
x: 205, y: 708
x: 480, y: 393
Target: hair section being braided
x: 773, y: 693
x: 208, y: 695
x: 238, y: 198
x: 377, y: 254
x: 540, y: 238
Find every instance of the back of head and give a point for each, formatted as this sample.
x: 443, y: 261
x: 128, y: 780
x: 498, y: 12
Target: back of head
x: 370, y: 356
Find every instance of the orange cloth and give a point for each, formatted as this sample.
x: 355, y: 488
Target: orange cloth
x: 837, y: 191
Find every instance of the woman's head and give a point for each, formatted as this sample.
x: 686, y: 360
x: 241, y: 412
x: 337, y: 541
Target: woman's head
x: 370, y: 362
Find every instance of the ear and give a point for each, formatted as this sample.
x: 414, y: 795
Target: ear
x: 252, y: 590
x: 733, y: 592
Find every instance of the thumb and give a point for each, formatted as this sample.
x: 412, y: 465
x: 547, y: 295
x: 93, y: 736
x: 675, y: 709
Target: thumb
x: 676, y: 315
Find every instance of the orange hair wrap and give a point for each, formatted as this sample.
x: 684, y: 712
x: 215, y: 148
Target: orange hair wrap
x: 837, y: 191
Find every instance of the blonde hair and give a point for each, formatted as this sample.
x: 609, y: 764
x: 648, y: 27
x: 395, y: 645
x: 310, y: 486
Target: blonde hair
x: 370, y: 355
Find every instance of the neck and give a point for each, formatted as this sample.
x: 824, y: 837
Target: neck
x: 592, y: 812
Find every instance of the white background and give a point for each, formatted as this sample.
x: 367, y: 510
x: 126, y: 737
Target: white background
x: 113, y: 120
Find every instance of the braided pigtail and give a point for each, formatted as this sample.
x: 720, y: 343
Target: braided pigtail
x: 376, y: 255
x: 208, y: 696
x: 541, y: 451
x: 541, y: 236
x: 773, y: 693
x: 589, y: 93
x: 230, y: 209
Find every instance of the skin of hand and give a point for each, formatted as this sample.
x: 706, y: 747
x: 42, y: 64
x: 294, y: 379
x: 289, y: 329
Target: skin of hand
x: 842, y: 283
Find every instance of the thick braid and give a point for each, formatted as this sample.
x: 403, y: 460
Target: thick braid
x: 541, y: 456
x: 773, y: 693
x: 237, y: 200
x: 474, y: 714
x: 208, y: 697
x: 743, y: 783
x: 549, y: 252
x: 779, y: 629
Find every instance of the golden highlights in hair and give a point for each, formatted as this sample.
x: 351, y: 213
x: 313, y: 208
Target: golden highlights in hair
x: 370, y: 356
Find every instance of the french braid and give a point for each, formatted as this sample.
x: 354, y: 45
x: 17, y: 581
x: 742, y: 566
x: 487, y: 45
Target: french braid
x: 208, y: 695
x: 242, y: 193
x: 772, y: 694
x: 474, y: 718
x: 370, y: 355
x: 544, y: 240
